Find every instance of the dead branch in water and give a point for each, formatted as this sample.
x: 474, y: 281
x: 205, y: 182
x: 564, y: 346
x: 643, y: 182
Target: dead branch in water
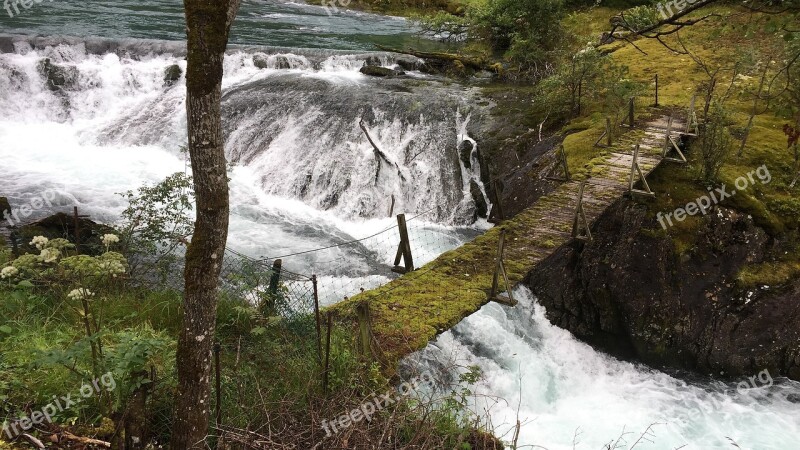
x: 379, y: 154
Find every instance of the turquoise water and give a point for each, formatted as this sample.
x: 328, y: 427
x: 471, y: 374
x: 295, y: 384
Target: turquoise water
x: 260, y: 22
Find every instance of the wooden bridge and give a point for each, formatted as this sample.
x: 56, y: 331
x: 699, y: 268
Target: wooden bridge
x: 404, y: 315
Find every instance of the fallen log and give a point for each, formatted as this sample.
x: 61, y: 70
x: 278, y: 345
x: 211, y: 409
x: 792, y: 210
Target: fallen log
x: 473, y: 63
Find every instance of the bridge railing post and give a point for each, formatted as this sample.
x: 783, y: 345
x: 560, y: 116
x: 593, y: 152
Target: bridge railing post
x: 404, y: 249
x: 580, y: 216
x: 500, y: 269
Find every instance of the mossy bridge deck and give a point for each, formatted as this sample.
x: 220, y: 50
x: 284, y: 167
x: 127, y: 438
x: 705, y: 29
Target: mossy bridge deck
x: 413, y: 309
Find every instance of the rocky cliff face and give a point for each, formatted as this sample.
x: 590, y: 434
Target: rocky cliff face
x: 630, y: 294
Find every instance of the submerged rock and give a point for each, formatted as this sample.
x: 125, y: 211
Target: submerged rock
x: 630, y: 293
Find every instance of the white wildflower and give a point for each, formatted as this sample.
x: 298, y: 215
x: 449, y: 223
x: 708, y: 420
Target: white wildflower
x: 8, y: 272
x: 49, y: 255
x: 39, y: 242
x: 109, y: 239
x: 80, y: 294
x: 112, y: 268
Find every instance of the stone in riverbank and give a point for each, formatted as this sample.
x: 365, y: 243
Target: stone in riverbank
x: 629, y: 293
x: 62, y: 225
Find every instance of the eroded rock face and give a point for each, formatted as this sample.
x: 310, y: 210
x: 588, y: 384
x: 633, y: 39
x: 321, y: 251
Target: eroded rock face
x: 630, y: 294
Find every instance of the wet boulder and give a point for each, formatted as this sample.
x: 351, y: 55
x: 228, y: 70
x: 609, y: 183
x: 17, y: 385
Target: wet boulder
x: 261, y: 61
x: 4, y: 206
x: 409, y: 64
x: 465, y: 149
x: 282, y: 62
x: 377, y: 71
x: 57, y: 77
x: 481, y: 207
x: 172, y: 74
x: 373, y: 61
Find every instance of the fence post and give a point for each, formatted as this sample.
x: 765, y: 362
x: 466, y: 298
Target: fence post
x: 500, y: 269
x: 217, y: 384
x: 14, y: 244
x: 631, y: 111
x: 364, y: 331
x: 501, y: 246
x: 500, y: 216
x: 272, y: 290
x: 608, y: 130
x: 327, y: 355
x: 667, y: 138
x: 404, y: 249
x: 580, y: 216
x: 391, y: 208
x: 77, y: 232
x: 656, y: 91
x: 317, y: 318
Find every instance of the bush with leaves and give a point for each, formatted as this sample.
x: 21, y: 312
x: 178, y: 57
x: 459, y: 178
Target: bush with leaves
x: 156, y: 225
x: 527, y: 31
x: 715, y: 142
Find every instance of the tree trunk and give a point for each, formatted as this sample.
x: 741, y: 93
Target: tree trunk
x: 207, y: 26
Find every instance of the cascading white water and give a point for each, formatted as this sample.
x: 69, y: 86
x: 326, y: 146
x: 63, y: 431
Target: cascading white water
x: 304, y: 175
x: 558, y: 386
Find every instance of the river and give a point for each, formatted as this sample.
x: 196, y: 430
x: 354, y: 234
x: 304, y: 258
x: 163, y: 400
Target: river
x: 305, y: 178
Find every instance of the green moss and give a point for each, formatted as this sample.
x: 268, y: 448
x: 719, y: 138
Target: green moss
x: 768, y: 274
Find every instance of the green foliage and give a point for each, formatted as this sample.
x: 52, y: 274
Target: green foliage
x: 642, y: 16
x: 715, y: 143
x: 527, y: 31
x: 156, y: 223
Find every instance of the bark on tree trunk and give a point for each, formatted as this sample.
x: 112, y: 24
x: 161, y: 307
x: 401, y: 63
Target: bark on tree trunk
x: 207, y: 27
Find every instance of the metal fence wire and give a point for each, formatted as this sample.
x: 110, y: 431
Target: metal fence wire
x: 342, y: 270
